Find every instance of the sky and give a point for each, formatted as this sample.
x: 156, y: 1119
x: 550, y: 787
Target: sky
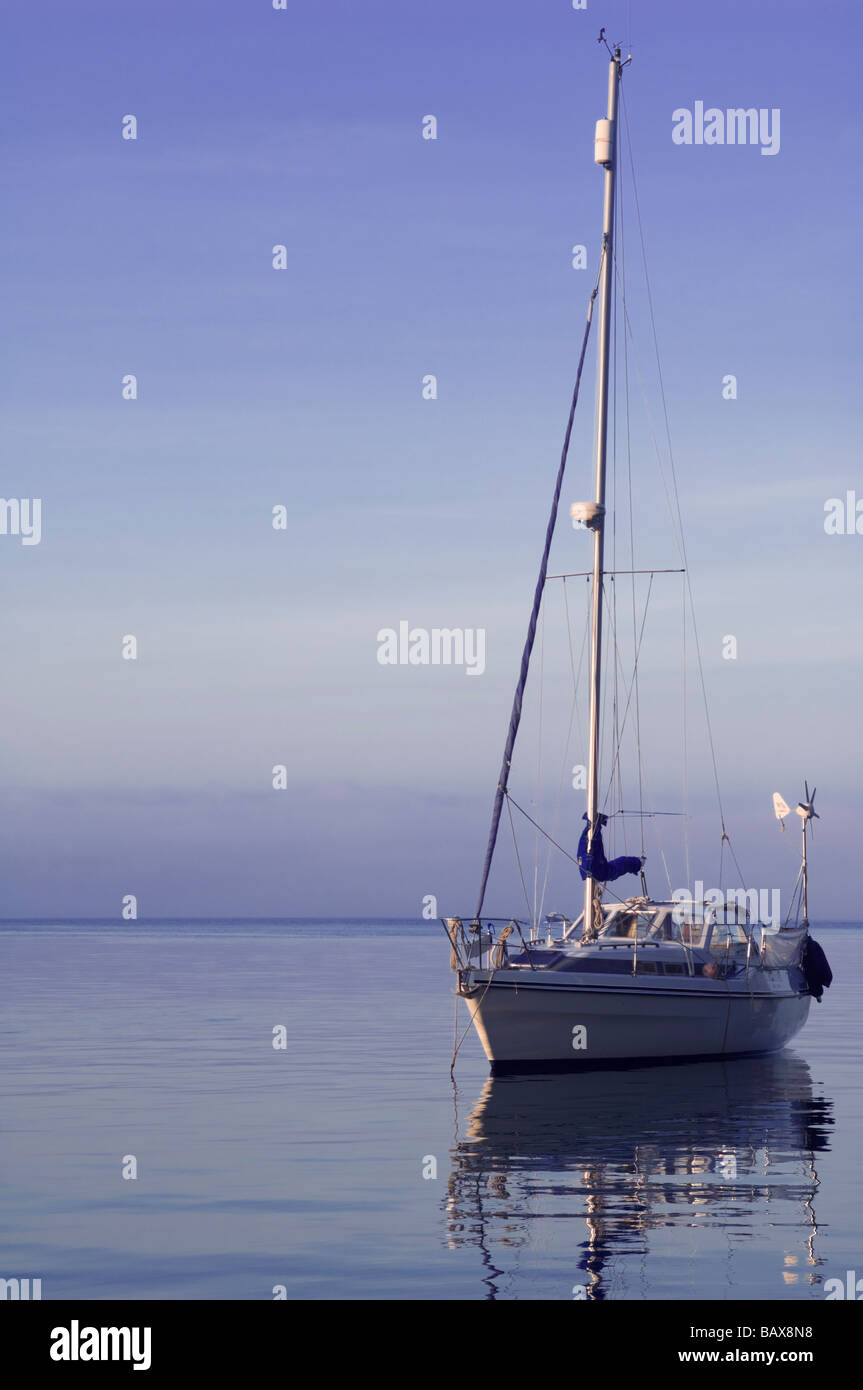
x: 302, y: 388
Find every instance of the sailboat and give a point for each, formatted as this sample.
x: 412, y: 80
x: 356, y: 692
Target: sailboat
x: 635, y: 979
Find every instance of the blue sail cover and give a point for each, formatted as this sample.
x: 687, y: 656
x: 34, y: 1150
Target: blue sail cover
x: 593, y: 864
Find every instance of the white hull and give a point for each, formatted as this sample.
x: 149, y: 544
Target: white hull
x: 546, y: 1025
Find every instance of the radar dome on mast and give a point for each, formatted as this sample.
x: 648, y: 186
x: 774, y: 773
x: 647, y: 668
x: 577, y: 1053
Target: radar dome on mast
x: 590, y: 514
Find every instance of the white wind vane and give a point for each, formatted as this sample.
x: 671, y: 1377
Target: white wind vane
x: 806, y: 811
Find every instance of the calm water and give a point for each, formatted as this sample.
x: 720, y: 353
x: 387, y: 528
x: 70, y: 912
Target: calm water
x: 303, y: 1166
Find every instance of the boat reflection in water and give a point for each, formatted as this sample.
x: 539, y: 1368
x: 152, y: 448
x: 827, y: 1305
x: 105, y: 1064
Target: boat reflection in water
x: 696, y: 1181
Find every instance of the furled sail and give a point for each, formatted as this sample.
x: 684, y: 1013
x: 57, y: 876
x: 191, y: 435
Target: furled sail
x: 592, y: 862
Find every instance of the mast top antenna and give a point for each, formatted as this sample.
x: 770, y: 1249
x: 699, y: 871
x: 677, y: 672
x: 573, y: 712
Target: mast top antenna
x: 615, y: 52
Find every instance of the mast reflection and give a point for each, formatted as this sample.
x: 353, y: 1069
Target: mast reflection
x: 605, y: 1173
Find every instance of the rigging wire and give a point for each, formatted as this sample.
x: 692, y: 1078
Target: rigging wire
x: 725, y: 836
x: 515, y: 716
x: 632, y: 683
x: 686, y: 748
x: 518, y: 860
x: 537, y: 797
x: 510, y: 799
x: 573, y: 717
x: 615, y: 699
x: 678, y: 536
x: 627, y: 404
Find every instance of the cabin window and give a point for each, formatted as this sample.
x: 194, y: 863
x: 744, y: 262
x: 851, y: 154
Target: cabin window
x: 691, y: 933
x: 635, y: 925
x: 726, y: 934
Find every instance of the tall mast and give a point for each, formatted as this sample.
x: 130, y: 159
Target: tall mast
x: 604, y: 153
